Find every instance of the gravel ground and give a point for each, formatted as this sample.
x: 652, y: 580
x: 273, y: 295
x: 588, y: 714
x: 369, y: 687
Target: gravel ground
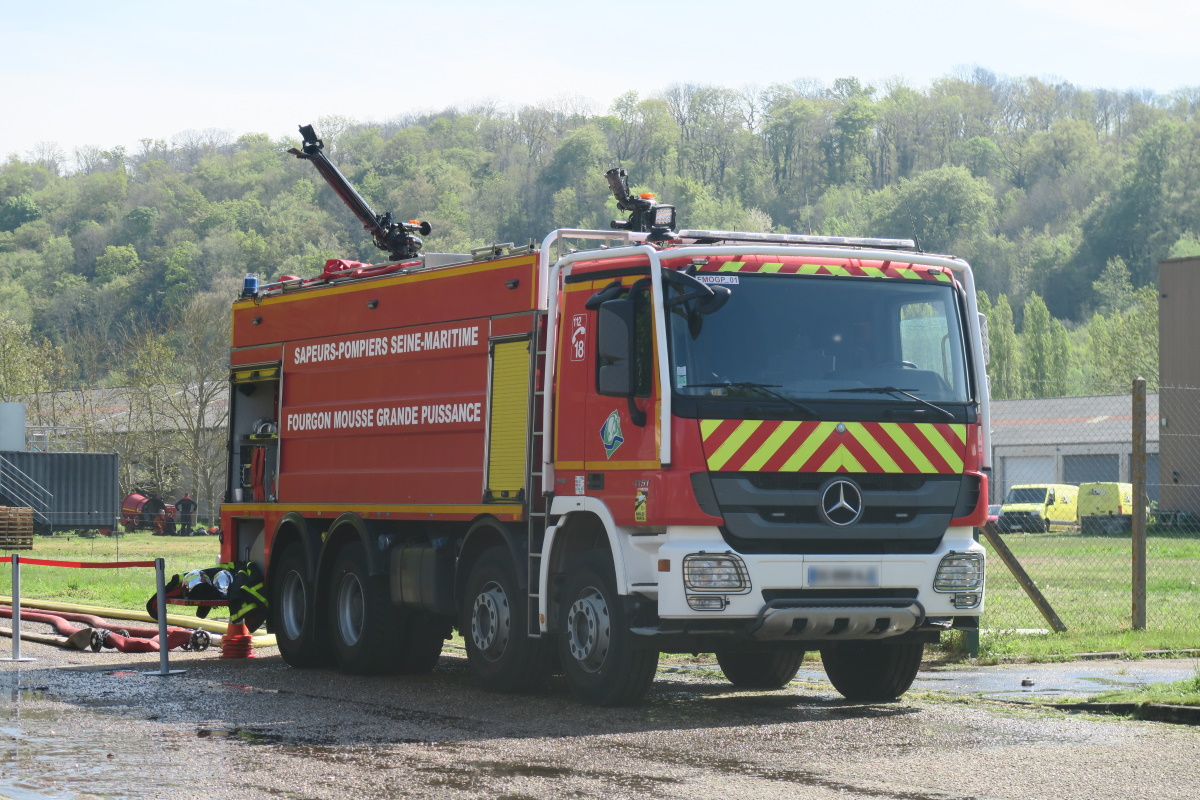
x: 95, y: 725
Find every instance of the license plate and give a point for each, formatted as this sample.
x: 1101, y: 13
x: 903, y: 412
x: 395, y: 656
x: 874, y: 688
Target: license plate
x: 843, y: 576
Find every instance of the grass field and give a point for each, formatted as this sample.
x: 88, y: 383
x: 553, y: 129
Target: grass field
x: 1086, y: 579
x: 1088, y: 582
x: 128, y: 588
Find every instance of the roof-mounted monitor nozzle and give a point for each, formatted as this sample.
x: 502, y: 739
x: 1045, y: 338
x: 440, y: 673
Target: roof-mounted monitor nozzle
x: 398, y: 239
x: 645, y: 214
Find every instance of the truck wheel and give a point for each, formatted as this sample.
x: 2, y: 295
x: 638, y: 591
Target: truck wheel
x: 601, y: 662
x: 872, y: 672
x: 495, y: 625
x: 294, y: 613
x: 368, y: 633
x: 423, y: 640
x: 761, y: 670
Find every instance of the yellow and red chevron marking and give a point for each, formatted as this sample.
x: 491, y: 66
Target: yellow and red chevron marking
x: 877, y: 269
x: 732, y: 445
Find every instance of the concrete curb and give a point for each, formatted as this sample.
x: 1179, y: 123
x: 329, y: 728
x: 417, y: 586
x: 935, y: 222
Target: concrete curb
x: 1180, y: 715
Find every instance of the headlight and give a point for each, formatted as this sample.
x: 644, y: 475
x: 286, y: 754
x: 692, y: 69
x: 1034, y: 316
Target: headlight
x: 959, y: 572
x: 725, y: 573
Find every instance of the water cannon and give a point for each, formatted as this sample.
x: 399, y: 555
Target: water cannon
x: 398, y: 239
x: 646, y: 215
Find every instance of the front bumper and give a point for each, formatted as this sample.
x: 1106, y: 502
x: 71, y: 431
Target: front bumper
x: 803, y: 620
x: 880, y: 596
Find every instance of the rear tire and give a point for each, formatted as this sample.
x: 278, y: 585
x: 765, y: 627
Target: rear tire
x: 294, y: 616
x: 495, y: 627
x: 872, y: 672
x: 367, y: 631
x: 423, y: 639
x: 760, y: 670
x: 602, y: 665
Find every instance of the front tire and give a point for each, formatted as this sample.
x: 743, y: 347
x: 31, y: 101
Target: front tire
x: 294, y: 613
x: 872, y: 672
x: 602, y: 665
x: 761, y: 670
x: 495, y: 627
x: 368, y: 633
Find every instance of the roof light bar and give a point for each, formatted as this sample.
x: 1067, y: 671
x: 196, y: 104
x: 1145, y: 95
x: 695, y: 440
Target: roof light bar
x: 796, y: 238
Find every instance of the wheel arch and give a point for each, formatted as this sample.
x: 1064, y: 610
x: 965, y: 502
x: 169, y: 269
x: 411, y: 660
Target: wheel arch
x: 584, y: 524
x: 483, y: 534
x: 350, y: 527
x: 587, y: 526
x: 294, y: 530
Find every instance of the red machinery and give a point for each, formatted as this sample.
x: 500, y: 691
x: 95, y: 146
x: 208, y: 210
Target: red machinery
x: 138, y: 511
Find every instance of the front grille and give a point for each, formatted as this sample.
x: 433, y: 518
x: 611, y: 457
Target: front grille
x: 800, y: 481
x: 778, y: 512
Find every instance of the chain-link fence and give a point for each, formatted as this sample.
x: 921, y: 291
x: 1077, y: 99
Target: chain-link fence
x: 1064, y: 470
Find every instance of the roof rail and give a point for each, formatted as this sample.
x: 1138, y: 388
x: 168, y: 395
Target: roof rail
x: 797, y: 238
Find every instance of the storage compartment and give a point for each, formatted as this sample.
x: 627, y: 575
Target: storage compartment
x: 254, y: 440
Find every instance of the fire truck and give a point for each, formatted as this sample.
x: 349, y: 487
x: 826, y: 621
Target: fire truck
x: 584, y: 452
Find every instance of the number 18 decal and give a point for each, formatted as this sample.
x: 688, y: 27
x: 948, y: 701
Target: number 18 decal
x: 578, y: 337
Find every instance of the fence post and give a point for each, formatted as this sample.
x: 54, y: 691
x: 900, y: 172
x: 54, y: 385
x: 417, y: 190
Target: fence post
x: 164, y: 644
x: 16, y: 611
x: 1138, y: 467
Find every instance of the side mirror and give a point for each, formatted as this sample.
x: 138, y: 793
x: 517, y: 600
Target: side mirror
x: 615, y: 344
x: 983, y: 337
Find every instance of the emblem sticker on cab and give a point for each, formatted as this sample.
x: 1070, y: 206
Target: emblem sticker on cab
x: 610, y: 434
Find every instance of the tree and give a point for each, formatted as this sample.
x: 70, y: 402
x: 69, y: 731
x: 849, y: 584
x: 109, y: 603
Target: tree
x: 1187, y: 246
x: 1113, y: 289
x: 31, y: 369
x: 942, y: 208
x: 1124, y: 344
x: 180, y: 277
x: 1004, y: 363
x: 1047, y: 351
x: 116, y: 262
x: 18, y: 210
x: 196, y: 390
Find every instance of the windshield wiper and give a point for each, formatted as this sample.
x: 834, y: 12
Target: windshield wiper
x: 893, y: 390
x: 762, y: 388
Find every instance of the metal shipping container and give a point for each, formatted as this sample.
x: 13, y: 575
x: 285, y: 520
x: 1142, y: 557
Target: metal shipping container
x: 68, y: 491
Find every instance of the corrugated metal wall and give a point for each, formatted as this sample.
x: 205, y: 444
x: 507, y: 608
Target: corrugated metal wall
x: 84, y: 486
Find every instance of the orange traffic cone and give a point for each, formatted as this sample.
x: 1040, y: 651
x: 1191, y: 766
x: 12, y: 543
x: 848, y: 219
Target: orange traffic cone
x: 237, y: 642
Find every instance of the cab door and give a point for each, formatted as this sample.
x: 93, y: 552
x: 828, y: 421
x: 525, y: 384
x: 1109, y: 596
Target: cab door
x: 606, y: 441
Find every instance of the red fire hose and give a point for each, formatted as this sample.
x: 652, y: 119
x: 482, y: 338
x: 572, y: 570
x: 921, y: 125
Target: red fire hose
x: 106, y: 634
x: 258, y: 460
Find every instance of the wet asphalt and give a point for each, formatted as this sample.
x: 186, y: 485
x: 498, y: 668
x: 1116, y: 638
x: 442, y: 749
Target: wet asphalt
x: 105, y: 725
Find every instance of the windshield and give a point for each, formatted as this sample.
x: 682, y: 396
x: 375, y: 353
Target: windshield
x: 817, y: 338
x: 1029, y: 494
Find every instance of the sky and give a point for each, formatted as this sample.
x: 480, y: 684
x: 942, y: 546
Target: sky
x: 106, y: 74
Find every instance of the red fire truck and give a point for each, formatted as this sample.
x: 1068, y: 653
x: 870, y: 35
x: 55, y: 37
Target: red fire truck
x: 586, y: 452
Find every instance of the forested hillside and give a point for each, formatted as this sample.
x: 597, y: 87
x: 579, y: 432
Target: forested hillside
x: 1063, y: 199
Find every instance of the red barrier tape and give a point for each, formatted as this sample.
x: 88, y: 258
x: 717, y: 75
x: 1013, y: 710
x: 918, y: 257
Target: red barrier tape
x: 80, y: 564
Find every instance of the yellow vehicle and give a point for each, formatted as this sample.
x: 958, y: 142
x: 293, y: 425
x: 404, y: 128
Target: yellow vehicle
x: 1106, y: 507
x: 1039, y: 508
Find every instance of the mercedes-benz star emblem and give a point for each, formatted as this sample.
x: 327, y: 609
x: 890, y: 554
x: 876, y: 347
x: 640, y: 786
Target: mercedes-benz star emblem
x: 841, y: 503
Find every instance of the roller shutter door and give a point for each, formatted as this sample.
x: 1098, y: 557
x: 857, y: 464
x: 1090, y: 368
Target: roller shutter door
x: 1022, y: 470
x: 1091, y: 469
x: 508, y: 425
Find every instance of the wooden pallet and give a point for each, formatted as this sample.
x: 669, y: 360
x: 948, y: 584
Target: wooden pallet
x: 16, y: 528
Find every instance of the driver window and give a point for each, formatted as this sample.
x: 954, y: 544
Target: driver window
x: 925, y: 339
